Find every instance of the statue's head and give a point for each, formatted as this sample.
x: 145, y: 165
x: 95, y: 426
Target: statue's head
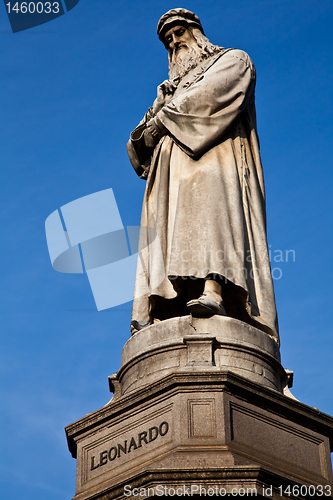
x: 182, y: 34
x: 177, y: 17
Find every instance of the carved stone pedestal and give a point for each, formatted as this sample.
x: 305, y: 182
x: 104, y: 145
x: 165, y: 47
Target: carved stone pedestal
x: 198, y: 407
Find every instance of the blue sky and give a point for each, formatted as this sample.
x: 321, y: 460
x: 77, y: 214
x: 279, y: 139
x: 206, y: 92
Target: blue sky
x: 72, y: 91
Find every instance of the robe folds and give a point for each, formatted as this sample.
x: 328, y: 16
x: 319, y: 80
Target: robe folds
x: 204, y: 205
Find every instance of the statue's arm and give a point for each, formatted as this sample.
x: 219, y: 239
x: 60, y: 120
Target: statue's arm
x: 200, y: 115
x: 143, y: 139
x: 137, y: 152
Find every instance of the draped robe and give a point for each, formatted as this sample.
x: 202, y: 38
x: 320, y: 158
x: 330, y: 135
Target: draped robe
x: 204, y: 204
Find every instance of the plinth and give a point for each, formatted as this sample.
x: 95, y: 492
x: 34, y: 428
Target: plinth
x: 202, y: 407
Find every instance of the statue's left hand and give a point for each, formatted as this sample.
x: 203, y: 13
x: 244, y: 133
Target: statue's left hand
x: 153, y: 133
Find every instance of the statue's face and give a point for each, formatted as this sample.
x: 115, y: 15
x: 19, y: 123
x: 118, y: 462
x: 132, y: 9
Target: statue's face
x: 180, y: 39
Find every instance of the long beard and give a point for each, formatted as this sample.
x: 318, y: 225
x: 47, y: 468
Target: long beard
x: 180, y: 64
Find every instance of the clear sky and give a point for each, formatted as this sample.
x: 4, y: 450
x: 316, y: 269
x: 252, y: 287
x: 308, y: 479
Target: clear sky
x: 72, y: 91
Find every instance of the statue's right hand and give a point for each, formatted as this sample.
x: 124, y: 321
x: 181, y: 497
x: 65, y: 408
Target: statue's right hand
x: 167, y: 87
x: 164, y: 92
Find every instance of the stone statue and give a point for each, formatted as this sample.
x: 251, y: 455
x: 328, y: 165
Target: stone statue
x: 203, y: 246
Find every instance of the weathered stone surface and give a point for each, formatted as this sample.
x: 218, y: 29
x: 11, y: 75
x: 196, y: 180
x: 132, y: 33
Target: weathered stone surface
x: 201, y: 427
x: 219, y: 342
x: 203, y: 214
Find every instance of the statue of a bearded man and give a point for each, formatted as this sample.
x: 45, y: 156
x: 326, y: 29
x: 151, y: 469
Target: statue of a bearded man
x: 203, y: 247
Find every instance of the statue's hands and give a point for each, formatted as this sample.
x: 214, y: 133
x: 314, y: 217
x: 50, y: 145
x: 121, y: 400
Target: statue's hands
x: 154, y: 128
x: 149, y: 139
x: 153, y: 133
x: 164, y: 94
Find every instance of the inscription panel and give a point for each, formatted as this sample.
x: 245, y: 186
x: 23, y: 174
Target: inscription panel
x: 126, y: 444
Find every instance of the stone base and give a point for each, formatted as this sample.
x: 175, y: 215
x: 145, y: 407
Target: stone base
x: 187, y: 413
x: 216, y: 343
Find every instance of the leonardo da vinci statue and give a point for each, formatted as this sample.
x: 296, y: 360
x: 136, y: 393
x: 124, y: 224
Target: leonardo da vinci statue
x: 203, y: 245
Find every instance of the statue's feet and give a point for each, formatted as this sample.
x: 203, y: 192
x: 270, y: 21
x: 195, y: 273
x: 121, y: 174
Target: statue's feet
x: 207, y: 304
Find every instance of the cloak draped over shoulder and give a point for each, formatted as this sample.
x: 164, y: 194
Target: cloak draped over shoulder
x: 204, y: 204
